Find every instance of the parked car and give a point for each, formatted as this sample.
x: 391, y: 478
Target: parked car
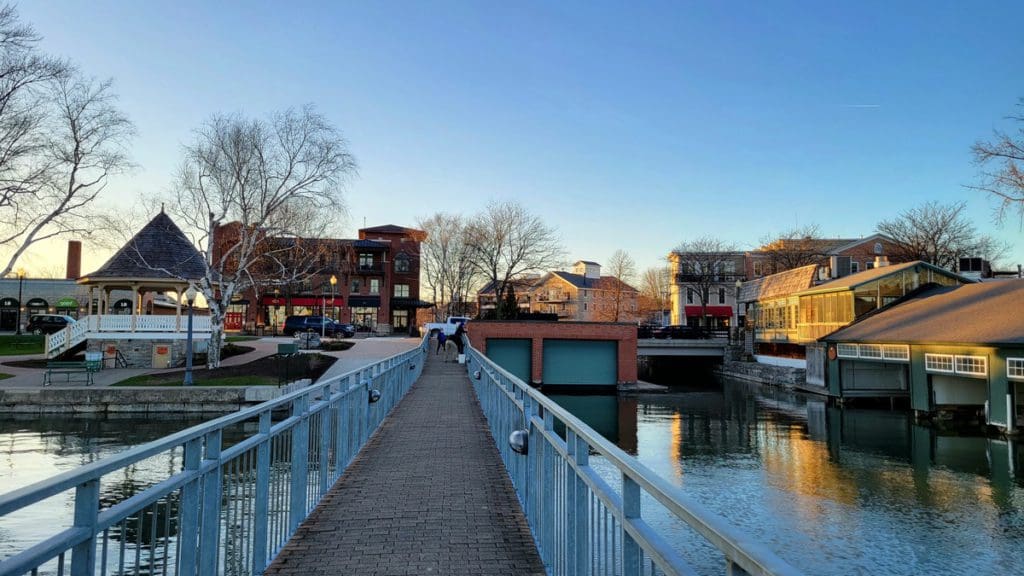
x: 47, y: 323
x: 296, y: 325
x: 677, y: 332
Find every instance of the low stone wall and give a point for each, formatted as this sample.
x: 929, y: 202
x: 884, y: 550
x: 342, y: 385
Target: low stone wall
x: 137, y: 400
x: 764, y: 373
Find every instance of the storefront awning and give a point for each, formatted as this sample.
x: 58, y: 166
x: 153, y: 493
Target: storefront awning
x: 714, y: 311
x: 409, y: 303
x: 364, y: 301
x: 37, y: 303
x: 337, y: 301
x: 67, y: 303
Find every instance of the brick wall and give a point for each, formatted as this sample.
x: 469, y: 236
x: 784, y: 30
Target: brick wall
x: 625, y: 334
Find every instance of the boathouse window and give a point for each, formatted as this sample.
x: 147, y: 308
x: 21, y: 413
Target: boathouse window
x: 972, y: 365
x: 1015, y: 368
x: 938, y: 363
x: 896, y: 352
x: 846, y: 350
x: 870, y: 351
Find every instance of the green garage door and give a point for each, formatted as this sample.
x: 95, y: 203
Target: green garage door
x: 581, y: 362
x: 512, y: 354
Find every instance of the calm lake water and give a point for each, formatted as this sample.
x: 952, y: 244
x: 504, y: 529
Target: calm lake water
x: 831, y: 491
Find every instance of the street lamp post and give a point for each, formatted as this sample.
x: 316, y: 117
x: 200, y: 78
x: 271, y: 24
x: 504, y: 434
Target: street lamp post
x: 334, y: 284
x: 323, y: 312
x: 21, y: 281
x: 736, y: 324
x: 190, y: 297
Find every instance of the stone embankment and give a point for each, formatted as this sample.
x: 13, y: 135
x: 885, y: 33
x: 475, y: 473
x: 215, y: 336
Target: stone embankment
x: 783, y: 376
x: 80, y: 400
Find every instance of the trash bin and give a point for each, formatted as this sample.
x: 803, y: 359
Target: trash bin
x: 93, y: 361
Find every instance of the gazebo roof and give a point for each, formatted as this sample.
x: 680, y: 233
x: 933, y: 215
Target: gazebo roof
x: 158, y: 252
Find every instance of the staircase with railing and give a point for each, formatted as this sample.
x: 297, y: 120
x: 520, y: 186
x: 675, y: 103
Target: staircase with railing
x: 124, y: 326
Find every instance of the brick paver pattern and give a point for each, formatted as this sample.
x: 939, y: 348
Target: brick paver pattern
x: 427, y: 495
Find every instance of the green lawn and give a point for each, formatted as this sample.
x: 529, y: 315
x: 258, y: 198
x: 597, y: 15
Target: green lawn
x: 164, y: 380
x: 5, y: 376
x: 240, y: 338
x: 14, y: 345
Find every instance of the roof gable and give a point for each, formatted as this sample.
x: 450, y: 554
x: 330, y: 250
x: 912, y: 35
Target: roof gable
x: 159, y: 250
x: 779, y: 285
x: 854, y: 280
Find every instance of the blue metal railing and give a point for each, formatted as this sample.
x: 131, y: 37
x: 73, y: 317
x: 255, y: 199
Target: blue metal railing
x: 220, y: 509
x: 581, y: 523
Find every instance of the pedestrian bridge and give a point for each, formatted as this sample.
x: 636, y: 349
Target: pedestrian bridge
x: 388, y: 469
x: 714, y: 347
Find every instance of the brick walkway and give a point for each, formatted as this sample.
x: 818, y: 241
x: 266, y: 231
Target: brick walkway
x: 427, y: 495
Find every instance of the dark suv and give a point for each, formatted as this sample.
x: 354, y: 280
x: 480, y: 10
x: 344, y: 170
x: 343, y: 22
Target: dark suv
x: 295, y: 325
x: 47, y: 323
x: 677, y: 331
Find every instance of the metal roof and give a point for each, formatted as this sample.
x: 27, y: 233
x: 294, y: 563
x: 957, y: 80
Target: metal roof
x: 779, y: 285
x: 979, y: 313
x: 854, y: 280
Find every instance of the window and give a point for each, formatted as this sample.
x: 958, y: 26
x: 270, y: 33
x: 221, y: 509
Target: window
x: 939, y: 363
x: 584, y: 306
x: 721, y: 295
x: 972, y: 365
x: 689, y: 295
x: 400, y: 319
x: 869, y: 265
x: 846, y: 350
x: 365, y: 260
x: 854, y: 267
x: 878, y: 248
x: 401, y: 290
x: 896, y: 352
x: 1015, y: 368
x: 374, y: 286
x: 870, y: 351
x: 584, y: 293
x: 757, y: 269
x: 355, y: 287
x: 401, y: 264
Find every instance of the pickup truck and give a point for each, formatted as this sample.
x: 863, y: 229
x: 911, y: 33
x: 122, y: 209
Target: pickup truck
x: 448, y: 326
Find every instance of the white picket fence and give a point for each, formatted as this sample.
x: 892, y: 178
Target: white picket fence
x: 144, y: 327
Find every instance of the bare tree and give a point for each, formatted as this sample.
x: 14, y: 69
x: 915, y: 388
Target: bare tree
x: 245, y: 187
x: 792, y: 249
x: 703, y: 265
x: 445, y: 262
x: 61, y: 138
x: 1001, y: 161
x: 622, y: 268
x: 939, y: 234
x: 505, y: 241
x: 655, y: 285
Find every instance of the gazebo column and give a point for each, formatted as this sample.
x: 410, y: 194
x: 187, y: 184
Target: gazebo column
x: 135, y: 305
x: 177, y: 308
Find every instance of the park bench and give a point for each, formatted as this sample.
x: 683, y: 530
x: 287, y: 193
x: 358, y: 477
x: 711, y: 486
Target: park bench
x: 69, y: 369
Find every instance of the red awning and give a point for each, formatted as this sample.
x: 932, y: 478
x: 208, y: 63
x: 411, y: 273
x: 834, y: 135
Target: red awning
x: 300, y: 301
x: 716, y: 311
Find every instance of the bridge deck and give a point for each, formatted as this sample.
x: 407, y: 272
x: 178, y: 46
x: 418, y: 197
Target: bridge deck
x: 427, y: 495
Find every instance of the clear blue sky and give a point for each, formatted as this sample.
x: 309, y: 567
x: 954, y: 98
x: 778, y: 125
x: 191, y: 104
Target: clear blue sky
x: 625, y: 125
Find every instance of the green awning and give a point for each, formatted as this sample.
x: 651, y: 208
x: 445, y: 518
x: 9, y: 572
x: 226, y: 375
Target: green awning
x: 66, y: 303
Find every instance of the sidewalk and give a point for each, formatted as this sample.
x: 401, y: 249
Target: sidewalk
x: 428, y: 494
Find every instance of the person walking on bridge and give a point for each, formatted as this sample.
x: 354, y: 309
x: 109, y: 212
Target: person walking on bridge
x: 440, y: 342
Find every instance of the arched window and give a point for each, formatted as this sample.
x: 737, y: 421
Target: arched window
x: 878, y: 247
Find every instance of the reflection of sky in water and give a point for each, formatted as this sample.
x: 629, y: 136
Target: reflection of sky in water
x: 833, y: 492
x: 34, y: 449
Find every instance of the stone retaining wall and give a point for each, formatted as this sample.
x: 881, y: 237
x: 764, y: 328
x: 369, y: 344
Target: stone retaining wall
x: 764, y: 373
x: 137, y: 400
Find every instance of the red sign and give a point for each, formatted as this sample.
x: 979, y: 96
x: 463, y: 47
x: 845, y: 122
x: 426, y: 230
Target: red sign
x: 161, y: 350
x: 716, y: 311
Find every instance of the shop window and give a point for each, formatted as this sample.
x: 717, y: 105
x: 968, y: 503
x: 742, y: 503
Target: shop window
x: 400, y: 319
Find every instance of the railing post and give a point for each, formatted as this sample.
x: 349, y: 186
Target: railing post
x: 300, y: 463
x: 570, y: 503
x: 262, y: 504
x: 528, y: 492
x: 209, y: 537
x: 87, y: 506
x: 325, y: 440
x: 734, y: 569
x: 189, y: 521
x: 630, y: 510
x: 582, y: 503
x: 548, y: 498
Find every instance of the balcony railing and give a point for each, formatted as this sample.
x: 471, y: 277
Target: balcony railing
x: 375, y: 268
x: 728, y: 278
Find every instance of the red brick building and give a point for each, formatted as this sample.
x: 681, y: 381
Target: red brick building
x: 376, y: 281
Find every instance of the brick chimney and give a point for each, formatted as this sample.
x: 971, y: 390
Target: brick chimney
x: 74, y: 267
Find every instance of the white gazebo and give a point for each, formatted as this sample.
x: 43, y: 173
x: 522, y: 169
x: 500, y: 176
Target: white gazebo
x: 158, y: 259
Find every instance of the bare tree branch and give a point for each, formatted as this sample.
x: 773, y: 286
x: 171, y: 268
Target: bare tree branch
x: 939, y: 234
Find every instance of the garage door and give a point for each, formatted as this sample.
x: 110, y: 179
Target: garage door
x: 581, y: 362
x: 512, y: 354
x: 872, y: 377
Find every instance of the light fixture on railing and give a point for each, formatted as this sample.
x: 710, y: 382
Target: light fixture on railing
x: 476, y: 375
x: 519, y: 441
x: 373, y: 396
x: 412, y: 366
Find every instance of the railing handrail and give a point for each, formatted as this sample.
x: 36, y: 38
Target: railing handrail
x: 28, y: 495
x: 752, y: 556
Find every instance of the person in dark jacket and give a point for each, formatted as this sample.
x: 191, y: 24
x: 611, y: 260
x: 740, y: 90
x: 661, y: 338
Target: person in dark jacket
x: 440, y: 342
x: 457, y: 336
